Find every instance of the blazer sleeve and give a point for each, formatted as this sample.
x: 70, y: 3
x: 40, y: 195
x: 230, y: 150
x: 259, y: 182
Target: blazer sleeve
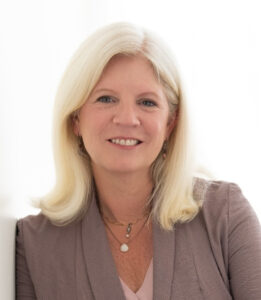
x: 24, y: 285
x: 244, y: 247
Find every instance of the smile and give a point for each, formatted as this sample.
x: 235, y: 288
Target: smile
x: 125, y: 142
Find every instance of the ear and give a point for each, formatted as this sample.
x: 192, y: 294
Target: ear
x: 172, y: 123
x: 76, y: 124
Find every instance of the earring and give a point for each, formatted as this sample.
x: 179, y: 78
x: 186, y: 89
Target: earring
x: 81, y: 148
x: 164, y: 150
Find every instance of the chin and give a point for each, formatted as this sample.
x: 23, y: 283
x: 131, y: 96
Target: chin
x: 127, y: 168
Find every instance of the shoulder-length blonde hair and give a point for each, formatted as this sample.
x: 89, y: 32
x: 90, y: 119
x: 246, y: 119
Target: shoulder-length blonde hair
x: 173, y: 176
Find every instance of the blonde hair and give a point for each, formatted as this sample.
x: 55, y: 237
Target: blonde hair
x: 173, y: 177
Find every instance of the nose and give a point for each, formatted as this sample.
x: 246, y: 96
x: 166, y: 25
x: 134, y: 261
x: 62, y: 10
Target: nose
x: 126, y: 114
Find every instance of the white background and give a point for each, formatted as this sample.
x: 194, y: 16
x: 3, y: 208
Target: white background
x: 217, y: 45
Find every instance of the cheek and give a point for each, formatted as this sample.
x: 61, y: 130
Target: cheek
x: 90, y: 122
x: 95, y: 130
x: 158, y: 128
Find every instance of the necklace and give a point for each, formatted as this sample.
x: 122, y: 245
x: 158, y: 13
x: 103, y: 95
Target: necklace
x: 129, y: 225
x: 124, y: 247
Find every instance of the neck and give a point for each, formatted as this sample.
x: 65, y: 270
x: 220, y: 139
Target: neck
x: 123, y: 197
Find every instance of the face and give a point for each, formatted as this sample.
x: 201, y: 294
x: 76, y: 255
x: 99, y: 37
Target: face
x: 125, y: 120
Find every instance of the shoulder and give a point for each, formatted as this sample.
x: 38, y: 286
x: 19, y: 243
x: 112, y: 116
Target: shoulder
x: 37, y: 232
x: 225, y: 195
x: 227, y: 217
x: 35, y: 225
x: 43, y: 248
x: 213, y: 192
x: 225, y: 207
x: 217, y: 193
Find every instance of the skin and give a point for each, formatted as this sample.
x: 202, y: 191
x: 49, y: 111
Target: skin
x: 127, y: 103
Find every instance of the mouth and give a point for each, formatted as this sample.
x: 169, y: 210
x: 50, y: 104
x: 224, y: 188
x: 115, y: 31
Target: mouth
x: 125, y: 141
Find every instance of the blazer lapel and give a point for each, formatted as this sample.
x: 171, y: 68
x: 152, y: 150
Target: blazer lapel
x: 186, y: 277
x: 163, y: 262
x: 174, y: 275
x: 100, y: 266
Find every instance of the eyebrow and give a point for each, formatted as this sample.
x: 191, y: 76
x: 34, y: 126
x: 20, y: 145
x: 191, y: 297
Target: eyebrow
x: 149, y: 93
x: 103, y: 90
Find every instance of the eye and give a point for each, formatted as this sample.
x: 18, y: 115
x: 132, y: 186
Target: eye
x: 148, y: 102
x: 105, y: 99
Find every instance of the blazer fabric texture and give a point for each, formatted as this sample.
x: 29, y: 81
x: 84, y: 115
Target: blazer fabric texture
x: 215, y: 256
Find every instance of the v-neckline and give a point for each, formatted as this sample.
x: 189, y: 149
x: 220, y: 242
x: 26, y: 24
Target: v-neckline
x: 147, y: 282
x: 96, y: 249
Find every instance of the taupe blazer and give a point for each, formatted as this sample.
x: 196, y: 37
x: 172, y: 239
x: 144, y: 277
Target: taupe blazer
x: 216, y: 256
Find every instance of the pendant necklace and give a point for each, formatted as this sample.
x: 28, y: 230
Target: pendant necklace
x: 124, y: 247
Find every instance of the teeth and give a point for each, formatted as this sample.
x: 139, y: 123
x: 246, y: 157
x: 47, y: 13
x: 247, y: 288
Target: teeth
x: 123, y: 142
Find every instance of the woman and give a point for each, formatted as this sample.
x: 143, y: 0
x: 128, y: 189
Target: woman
x: 127, y: 218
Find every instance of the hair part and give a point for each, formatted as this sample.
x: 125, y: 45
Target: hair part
x: 172, y: 197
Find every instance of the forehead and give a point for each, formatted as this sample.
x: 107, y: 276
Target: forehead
x: 123, y: 69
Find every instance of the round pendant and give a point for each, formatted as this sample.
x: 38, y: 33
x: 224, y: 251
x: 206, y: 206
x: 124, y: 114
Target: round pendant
x: 124, y: 248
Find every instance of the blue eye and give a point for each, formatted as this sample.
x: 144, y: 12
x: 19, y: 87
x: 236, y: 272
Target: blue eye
x: 147, y: 102
x: 105, y: 99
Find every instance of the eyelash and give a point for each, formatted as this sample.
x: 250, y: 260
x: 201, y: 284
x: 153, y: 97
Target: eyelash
x: 105, y: 97
x: 145, y: 102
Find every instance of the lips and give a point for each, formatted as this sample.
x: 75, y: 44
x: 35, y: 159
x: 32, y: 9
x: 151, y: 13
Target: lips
x: 125, y: 141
